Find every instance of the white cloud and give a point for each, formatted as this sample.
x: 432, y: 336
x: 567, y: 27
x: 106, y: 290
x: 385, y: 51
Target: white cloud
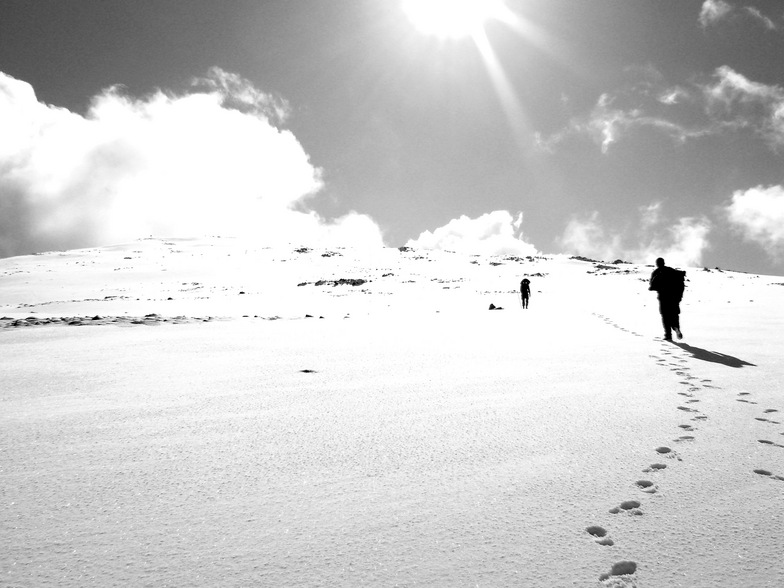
x: 676, y: 95
x: 713, y: 11
x: 732, y: 86
x: 205, y: 162
x: 743, y: 103
x: 242, y: 94
x: 729, y: 102
x: 758, y: 213
x: 607, y: 124
x: 682, y: 242
x: 760, y: 18
x: 494, y: 233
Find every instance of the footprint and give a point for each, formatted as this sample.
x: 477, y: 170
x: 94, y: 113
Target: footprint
x: 684, y: 438
x: 654, y: 467
x: 601, y: 536
x: 701, y: 417
x: 667, y: 452
x: 646, y: 486
x: 687, y: 409
x: 621, y: 568
x: 686, y: 427
x: 746, y: 401
x: 769, y: 410
x: 766, y: 421
x: 630, y: 506
x: 744, y: 393
x: 692, y: 401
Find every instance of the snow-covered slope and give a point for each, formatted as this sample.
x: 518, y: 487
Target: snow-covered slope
x: 158, y: 427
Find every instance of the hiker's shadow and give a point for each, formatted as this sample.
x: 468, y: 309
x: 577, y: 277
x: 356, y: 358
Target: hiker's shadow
x: 713, y: 356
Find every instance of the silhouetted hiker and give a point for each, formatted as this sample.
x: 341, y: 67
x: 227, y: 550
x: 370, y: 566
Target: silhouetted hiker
x: 669, y: 284
x: 525, y: 291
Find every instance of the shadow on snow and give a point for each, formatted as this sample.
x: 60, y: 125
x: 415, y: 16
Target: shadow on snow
x: 713, y: 356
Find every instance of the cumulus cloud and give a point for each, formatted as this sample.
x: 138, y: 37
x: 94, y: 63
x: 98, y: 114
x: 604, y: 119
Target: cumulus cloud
x: 494, y: 233
x: 758, y: 213
x: 716, y: 11
x: 209, y: 161
x: 682, y: 242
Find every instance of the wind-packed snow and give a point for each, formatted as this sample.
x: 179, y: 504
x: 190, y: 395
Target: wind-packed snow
x: 207, y: 413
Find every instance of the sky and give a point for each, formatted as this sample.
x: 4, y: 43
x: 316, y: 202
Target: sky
x: 612, y: 129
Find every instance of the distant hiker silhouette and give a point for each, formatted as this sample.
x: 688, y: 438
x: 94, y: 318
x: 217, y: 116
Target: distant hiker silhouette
x: 668, y: 283
x: 525, y: 292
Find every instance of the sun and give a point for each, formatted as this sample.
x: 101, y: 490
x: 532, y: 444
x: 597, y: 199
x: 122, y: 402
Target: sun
x: 452, y: 19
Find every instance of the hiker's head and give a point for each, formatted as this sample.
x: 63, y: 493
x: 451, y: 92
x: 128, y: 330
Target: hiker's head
x: 660, y: 262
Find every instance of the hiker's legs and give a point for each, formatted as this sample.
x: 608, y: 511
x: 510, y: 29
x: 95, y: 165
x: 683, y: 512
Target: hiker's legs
x: 675, y: 321
x: 670, y: 310
x: 667, y: 327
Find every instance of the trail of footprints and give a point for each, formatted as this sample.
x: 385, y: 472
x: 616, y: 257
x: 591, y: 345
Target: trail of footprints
x: 768, y: 416
x: 621, y: 573
x: 765, y: 419
x: 615, y: 325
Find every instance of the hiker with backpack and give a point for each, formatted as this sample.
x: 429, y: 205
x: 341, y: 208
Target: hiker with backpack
x: 669, y: 284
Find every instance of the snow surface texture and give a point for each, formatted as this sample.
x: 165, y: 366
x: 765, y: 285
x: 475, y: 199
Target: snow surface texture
x: 170, y: 417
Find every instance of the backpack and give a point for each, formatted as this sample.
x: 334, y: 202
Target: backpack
x: 669, y: 283
x: 678, y: 283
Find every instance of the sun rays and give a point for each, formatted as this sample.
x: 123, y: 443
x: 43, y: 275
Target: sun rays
x: 455, y: 21
x: 452, y: 19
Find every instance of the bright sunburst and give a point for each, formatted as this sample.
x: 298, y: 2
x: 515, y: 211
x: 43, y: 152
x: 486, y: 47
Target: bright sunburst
x: 452, y: 18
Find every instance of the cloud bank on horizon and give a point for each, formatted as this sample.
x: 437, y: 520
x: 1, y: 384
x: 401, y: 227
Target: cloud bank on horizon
x: 213, y: 162
x: 679, y: 242
x: 494, y: 233
x: 210, y: 161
